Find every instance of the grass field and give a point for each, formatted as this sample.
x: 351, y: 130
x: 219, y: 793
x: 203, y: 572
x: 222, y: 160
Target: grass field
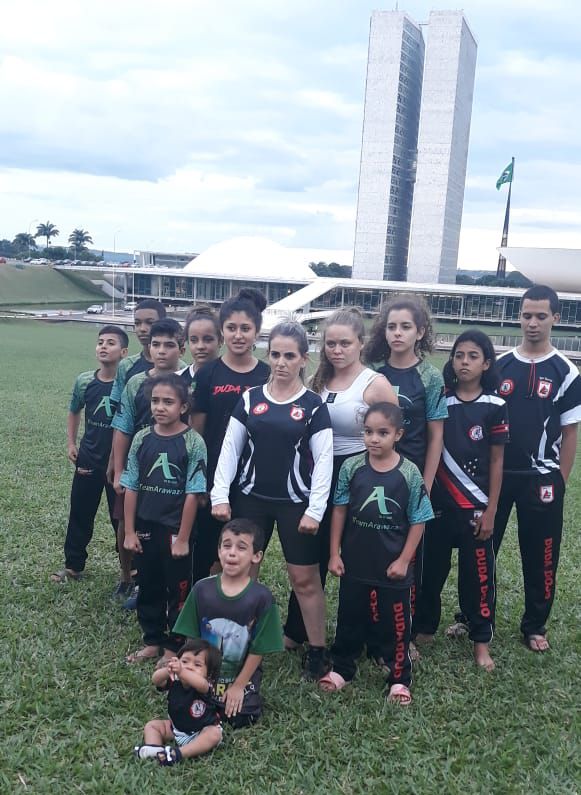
x: 72, y: 710
x: 36, y: 285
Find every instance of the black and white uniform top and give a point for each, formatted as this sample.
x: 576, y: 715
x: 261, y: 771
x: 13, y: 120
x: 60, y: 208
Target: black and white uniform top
x: 542, y: 395
x: 472, y: 426
x: 282, y: 451
x: 188, y: 375
x: 189, y: 710
x: 382, y: 506
x: 218, y: 390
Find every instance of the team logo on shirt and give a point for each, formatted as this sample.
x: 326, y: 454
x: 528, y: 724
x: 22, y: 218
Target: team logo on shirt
x: 166, y: 466
x: 260, y: 408
x: 197, y: 709
x: 297, y: 413
x: 507, y: 387
x: 105, y: 404
x: 544, y: 387
x: 546, y: 493
x: 378, y: 496
x: 476, y: 433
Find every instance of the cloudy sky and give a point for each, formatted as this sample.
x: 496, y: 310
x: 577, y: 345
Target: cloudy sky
x: 177, y: 125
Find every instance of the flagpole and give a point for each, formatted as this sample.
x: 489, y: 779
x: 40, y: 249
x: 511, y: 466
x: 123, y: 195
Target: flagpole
x: 501, y: 267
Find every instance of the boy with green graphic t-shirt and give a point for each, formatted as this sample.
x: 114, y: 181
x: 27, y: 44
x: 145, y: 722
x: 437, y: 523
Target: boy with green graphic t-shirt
x: 91, y: 392
x: 239, y: 616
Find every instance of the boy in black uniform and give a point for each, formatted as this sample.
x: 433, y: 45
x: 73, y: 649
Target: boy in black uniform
x: 542, y: 389
x: 92, y: 391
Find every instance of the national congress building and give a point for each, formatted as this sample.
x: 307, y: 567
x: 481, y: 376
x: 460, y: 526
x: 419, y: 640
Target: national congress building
x: 418, y: 106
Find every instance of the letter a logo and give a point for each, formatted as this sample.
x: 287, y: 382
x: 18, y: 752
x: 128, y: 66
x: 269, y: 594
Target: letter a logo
x: 378, y: 496
x: 166, y: 467
x: 104, y: 404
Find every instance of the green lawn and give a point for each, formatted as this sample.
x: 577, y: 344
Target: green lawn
x: 72, y: 710
x: 30, y: 285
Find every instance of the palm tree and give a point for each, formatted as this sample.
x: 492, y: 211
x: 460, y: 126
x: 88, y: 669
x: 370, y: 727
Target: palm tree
x: 24, y: 242
x: 47, y: 230
x: 79, y: 238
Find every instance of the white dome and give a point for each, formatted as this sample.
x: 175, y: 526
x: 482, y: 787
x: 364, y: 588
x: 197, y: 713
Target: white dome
x: 560, y: 268
x: 251, y: 258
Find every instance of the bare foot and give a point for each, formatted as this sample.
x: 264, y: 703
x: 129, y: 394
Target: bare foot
x: 537, y: 643
x: 415, y: 655
x: 482, y: 656
x: 290, y: 644
x: 423, y: 638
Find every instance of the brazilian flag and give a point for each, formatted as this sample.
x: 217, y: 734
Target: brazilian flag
x: 506, y: 176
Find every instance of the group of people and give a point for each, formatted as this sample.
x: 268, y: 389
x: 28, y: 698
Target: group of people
x: 374, y: 471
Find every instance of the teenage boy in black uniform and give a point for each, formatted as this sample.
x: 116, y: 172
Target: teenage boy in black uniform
x: 91, y: 392
x: 542, y: 389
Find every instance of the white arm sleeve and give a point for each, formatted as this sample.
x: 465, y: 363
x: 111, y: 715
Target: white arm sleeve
x: 232, y: 447
x: 321, y: 445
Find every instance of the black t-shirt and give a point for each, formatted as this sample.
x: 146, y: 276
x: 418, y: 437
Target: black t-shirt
x: 420, y: 393
x: 189, y: 710
x: 542, y: 396
x: 382, y: 506
x: 94, y: 395
x: 472, y: 426
x: 163, y: 469
x: 218, y: 389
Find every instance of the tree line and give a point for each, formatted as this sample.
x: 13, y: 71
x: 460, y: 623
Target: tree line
x: 24, y: 244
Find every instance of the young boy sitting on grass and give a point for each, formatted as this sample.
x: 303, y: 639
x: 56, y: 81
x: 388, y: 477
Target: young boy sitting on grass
x: 194, y: 714
x: 237, y: 615
x: 91, y: 392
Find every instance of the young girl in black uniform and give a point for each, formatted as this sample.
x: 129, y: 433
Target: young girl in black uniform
x: 279, y: 448
x: 465, y: 494
x: 380, y: 507
x: 400, y: 339
x: 219, y: 385
x: 164, y: 479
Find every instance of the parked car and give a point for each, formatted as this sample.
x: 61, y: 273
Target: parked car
x: 130, y: 306
x: 2, y: 260
x: 96, y: 309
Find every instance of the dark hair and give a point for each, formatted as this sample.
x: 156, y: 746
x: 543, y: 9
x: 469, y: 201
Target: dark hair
x: 348, y: 316
x: 540, y: 292
x: 212, y: 654
x: 123, y: 338
x: 151, y: 303
x: 250, y: 301
x: 392, y: 413
x: 377, y: 348
x: 172, y: 380
x: 168, y: 327
x: 202, y: 312
x: 245, y: 527
x: 490, y: 378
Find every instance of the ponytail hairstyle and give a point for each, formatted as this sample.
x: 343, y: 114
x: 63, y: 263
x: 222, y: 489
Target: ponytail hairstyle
x: 377, y: 348
x: 250, y: 301
x: 175, y: 382
x: 490, y: 378
x: 348, y: 316
x: 294, y: 330
x: 203, y: 312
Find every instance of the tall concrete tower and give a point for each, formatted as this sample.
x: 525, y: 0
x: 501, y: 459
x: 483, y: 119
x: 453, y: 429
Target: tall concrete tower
x: 414, y: 149
x: 443, y: 138
x: 388, y: 150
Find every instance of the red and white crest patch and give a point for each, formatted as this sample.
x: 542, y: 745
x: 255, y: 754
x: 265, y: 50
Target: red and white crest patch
x: 506, y: 387
x: 197, y: 709
x: 297, y: 413
x: 476, y: 433
x: 544, y: 388
x: 260, y: 408
x: 546, y: 493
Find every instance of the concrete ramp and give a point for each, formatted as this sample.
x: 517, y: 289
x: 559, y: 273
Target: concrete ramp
x: 296, y: 306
